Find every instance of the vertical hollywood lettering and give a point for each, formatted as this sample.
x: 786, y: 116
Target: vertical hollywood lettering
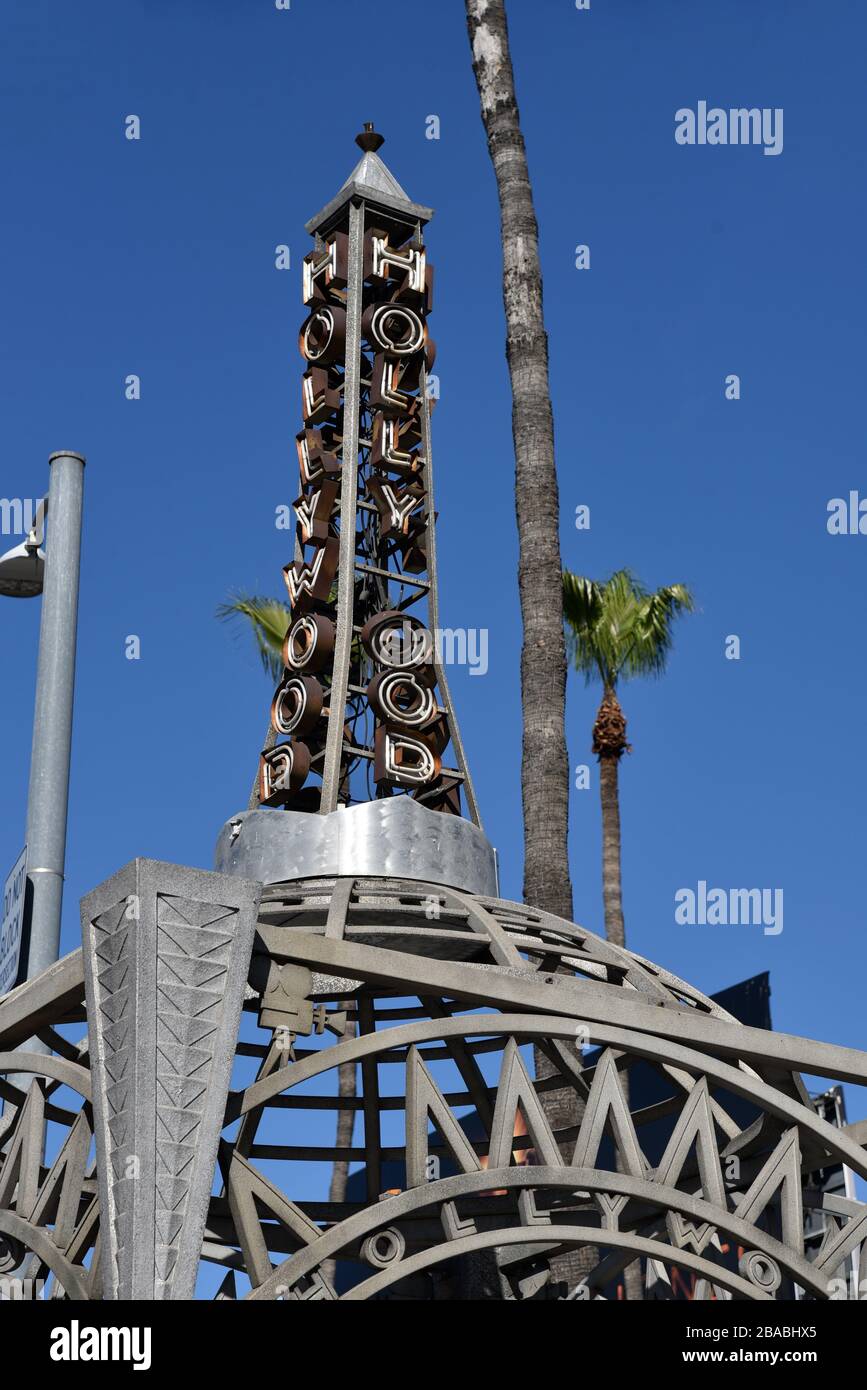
x: 362, y: 709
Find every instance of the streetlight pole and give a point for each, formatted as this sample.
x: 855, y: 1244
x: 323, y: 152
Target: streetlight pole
x: 52, y: 723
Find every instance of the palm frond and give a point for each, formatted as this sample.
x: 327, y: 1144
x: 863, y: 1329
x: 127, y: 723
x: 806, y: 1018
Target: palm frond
x: 617, y: 629
x: 269, y: 621
x: 582, y: 608
x: 653, y: 630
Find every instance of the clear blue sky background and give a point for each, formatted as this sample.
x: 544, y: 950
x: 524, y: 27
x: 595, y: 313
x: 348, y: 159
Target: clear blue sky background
x: 157, y: 258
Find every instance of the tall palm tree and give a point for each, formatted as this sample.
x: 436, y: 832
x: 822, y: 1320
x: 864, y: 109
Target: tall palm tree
x: 545, y: 767
x: 615, y: 632
x: 544, y: 761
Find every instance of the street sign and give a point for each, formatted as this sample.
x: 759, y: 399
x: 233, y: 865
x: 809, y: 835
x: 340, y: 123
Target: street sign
x: 13, y: 921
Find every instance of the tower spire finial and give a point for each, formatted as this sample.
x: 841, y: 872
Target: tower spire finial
x: 369, y: 139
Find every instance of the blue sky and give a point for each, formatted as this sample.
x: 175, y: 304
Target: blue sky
x: 156, y: 258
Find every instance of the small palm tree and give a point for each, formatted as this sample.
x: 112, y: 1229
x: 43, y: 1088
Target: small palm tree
x: 614, y: 632
x: 269, y: 622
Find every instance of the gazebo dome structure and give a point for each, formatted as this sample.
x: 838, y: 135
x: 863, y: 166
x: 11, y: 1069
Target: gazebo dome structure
x: 430, y: 997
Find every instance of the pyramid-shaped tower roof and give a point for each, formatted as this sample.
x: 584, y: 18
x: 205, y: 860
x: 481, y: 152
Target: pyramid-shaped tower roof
x: 372, y: 180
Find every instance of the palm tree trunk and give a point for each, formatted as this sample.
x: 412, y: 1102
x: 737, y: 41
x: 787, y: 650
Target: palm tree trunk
x: 612, y: 893
x: 346, y: 1090
x: 544, y: 760
x: 612, y: 900
x: 545, y: 767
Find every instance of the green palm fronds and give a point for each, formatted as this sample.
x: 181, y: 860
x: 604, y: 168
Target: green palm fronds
x: 269, y: 621
x: 617, y: 629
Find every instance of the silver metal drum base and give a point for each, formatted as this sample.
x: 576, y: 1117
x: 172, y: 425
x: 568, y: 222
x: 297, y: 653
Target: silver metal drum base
x: 392, y: 838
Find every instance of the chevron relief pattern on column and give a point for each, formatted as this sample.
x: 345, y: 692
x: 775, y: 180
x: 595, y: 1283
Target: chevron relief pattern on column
x: 166, y: 953
x: 114, y: 974
x: 194, y: 941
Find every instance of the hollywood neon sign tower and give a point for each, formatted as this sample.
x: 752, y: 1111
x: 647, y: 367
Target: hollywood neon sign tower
x: 364, y: 682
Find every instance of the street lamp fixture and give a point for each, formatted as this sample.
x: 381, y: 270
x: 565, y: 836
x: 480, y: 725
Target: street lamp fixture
x: 22, y: 569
